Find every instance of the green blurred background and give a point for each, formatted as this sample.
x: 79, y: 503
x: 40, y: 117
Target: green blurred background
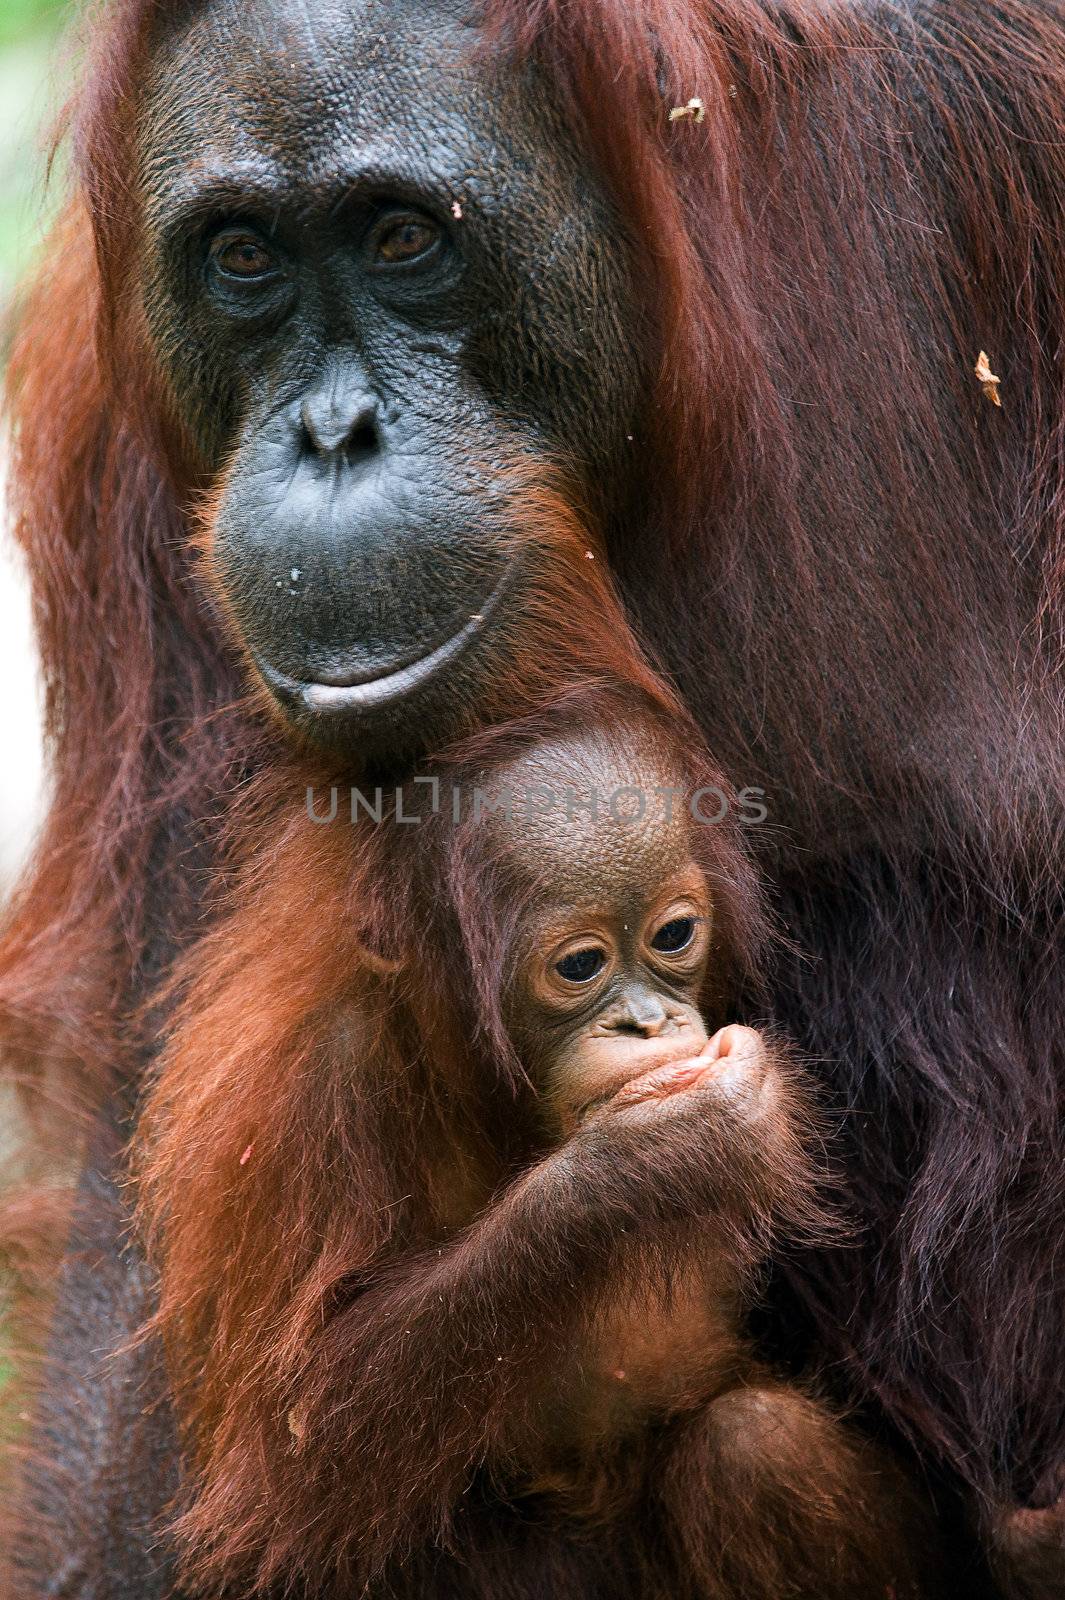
x: 33, y: 79
x: 32, y: 87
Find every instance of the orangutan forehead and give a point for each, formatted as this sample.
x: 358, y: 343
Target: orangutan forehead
x: 276, y: 48
x: 286, y: 89
x: 595, y: 815
x: 606, y: 862
x: 600, y: 759
x: 320, y: 92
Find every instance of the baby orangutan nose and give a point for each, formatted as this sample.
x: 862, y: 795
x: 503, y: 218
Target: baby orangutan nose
x: 641, y: 1011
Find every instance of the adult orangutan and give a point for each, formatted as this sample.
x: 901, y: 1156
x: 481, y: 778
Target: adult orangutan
x: 350, y: 288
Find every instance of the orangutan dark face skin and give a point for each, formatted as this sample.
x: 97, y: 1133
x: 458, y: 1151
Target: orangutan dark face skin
x: 603, y: 1002
x: 376, y: 271
x: 609, y: 991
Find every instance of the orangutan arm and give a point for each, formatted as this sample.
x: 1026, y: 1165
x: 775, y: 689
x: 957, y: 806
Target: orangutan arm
x: 436, y: 1369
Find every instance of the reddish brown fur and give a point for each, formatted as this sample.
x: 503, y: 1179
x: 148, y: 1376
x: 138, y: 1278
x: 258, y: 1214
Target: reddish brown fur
x: 371, y: 1269
x: 901, y: 624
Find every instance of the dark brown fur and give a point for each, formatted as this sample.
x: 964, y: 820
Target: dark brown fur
x: 851, y: 563
x: 377, y: 1282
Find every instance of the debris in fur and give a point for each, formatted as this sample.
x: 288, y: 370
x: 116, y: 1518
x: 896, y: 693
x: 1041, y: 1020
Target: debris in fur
x: 988, y: 381
x: 694, y: 111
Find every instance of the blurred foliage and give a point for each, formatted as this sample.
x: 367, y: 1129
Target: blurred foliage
x: 32, y: 85
x: 21, y: 17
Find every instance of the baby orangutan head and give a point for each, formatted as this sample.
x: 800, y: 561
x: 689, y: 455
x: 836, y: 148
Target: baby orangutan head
x: 618, y: 928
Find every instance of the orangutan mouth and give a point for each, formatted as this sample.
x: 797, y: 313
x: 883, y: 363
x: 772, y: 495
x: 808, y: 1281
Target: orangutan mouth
x: 355, y: 692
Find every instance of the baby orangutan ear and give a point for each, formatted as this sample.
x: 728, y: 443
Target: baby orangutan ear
x: 380, y: 957
x: 380, y: 965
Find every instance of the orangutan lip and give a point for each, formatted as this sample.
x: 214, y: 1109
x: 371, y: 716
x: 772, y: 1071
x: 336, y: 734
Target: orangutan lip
x: 687, y: 1047
x: 391, y: 688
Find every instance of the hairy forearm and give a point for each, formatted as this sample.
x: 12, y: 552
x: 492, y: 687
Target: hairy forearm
x: 437, y: 1368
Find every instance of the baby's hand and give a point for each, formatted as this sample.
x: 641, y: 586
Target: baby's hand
x: 734, y: 1063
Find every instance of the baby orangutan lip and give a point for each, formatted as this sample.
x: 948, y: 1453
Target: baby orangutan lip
x: 642, y: 1059
x: 672, y: 1078
x: 727, y: 1057
x: 671, y: 1066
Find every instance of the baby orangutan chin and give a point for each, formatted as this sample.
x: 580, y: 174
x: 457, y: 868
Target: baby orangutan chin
x: 622, y: 941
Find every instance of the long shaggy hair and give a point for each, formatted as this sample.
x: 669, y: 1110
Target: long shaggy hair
x: 849, y: 560
x: 337, y: 1097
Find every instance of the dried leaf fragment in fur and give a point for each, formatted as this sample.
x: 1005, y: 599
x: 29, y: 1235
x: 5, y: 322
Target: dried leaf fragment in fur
x: 694, y: 111
x: 989, y: 383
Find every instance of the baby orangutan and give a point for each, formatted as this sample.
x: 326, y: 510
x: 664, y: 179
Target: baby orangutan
x: 516, y: 1324
x: 624, y: 939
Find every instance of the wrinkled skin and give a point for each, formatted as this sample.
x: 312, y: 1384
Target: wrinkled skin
x: 618, y: 931
x: 357, y: 401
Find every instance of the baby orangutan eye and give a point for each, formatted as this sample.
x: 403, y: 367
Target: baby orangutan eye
x: 581, y: 966
x: 674, y: 936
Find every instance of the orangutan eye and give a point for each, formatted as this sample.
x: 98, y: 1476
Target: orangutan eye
x: 242, y: 256
x: 581, y: 966
x: 674, y: 936
x: 406, y: 239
